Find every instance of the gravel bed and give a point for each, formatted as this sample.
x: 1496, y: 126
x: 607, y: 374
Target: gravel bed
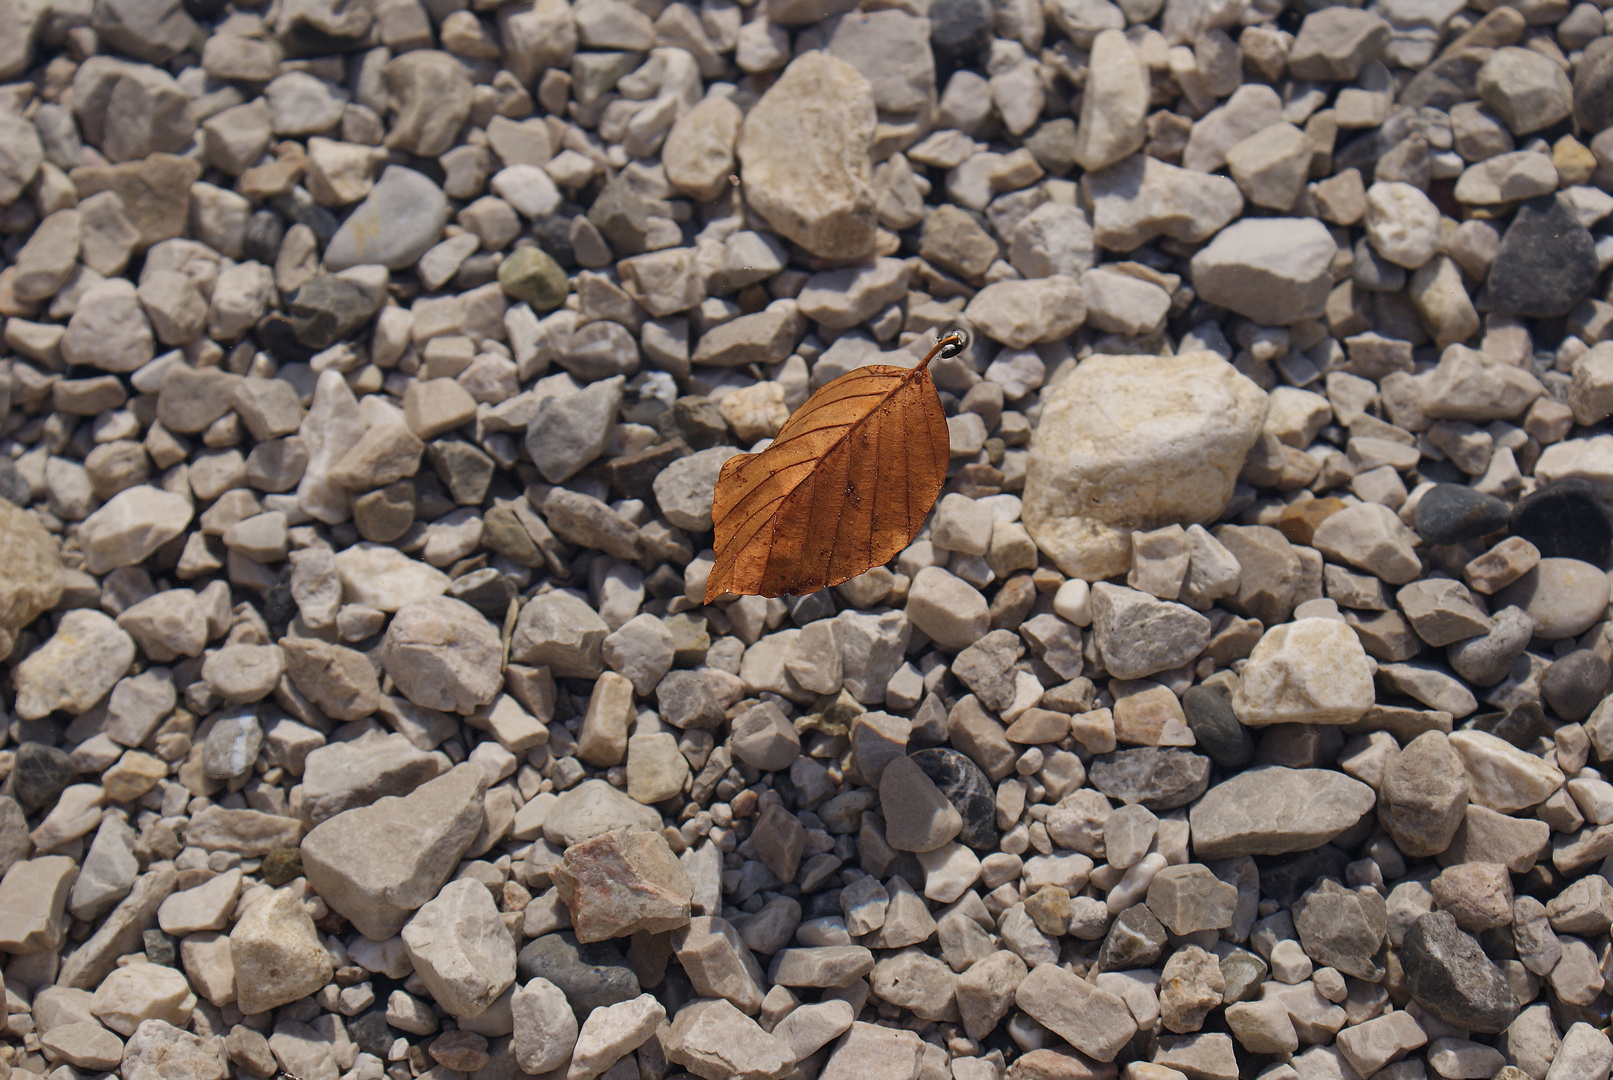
x: 1239, y: 713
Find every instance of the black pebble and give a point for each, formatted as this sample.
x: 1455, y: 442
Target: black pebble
x: 264, y: 231
x: 371, y: 1033
x: 1135, y: 940
x: 39, y: 775
x: 1521, y: 725
x: 1546, y: 263
x: 1449, y: 975
x: 1452, y: 514
x: 591, y: 976
x: 1566, y: 520
x: 812, y: 607
x: 1220, y: 736
x: 1574, y: 685
x: 279, y: 608
x: 13, y: 488
x: 959, y: 28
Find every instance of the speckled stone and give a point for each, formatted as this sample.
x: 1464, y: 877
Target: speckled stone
x: 967, y: 789
x: 1158, y: 777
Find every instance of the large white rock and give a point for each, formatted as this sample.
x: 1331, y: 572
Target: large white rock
x: 1135, y: 442
x: 1116, y: 103
x: 133, y: 523
x: 75, y: 668
x: 461, y: 948
x: 804, y: 157
x: 1275, y: 271
x: 1502, y: 777
x: 384, y: 578
x: 1309, y: 671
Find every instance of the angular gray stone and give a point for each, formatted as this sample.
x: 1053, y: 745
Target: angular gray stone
x: 1274, y: 810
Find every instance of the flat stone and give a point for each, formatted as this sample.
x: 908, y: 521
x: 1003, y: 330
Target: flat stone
x: 400, y: 219
x: 1160, y: 778
x: 377, y: 864
x: 35, y: 892
x: 1502, y: 777
x: 1272, y: 270
x: 1094, y: 1021
x: 1274, y: 810
x: 343, y: 775
x: 712, y: 1038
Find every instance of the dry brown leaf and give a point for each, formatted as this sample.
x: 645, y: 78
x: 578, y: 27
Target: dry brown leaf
x: 846, y: 484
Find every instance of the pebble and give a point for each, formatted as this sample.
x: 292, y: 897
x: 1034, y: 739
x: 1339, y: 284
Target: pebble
x: 804, y: 151
x: 1563, y: 597
x: 1310, y: 671
x: 1455, y: 514
x: 75, y: 668
x: 1565, y: 520
x: 460, y: 948
x: 1546, y: 261
x: 1271, y: 270
x: 1111, y: 122
x: 1088, y: 442
x: 1094, y: 1021
x: 1273, y: 810
x: 398, y: 221
x: 1160, y: 778
x: 621, y: 882
x: 378, y: 883
x: 277, y: 954
x: 1451, y: 977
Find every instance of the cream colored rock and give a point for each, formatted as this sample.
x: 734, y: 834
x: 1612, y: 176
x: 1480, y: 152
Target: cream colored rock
x: 1115, y: 105
x: 699, y: 151
x: 33, y: 903
x: 1501, y: 776
x: 1309, y: 671
x: 30, y: 573
x: 1135, y: 442
x: 804, y: 157
x: 76, y: 668
x: 277, y: 954
x: 141, y: 991
x: 461, y: 949
x: 545, y: 1028
x: 613, y: 1032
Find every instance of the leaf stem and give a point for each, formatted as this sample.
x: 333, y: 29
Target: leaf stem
x: 947, y: 346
